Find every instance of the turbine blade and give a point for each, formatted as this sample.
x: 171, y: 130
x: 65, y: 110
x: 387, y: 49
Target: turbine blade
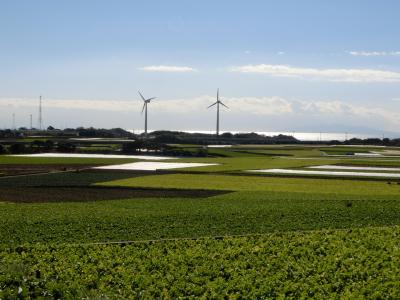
x: 144, y: 105
x: 223, y: 104
x: 212, y: 104
x: 141, y: 96
x: 150, y: 99
x: 217, y: 94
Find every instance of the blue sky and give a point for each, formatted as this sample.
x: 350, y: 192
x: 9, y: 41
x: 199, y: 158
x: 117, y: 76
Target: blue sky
x: 280, y: 65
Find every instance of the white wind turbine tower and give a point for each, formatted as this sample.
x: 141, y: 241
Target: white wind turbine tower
x: 218, y: 102
x: 145, y: 102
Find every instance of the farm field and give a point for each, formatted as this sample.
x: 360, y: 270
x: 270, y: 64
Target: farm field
x: 353, y: 263
x: 22, y: 165
x: 210, y: 232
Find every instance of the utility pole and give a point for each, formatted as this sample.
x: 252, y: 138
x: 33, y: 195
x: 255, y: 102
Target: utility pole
x: 13, y: 121
x: 40, y: 113
x: 30, y: 121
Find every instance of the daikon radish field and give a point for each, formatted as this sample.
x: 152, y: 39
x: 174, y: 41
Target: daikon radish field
x: 213, y: 231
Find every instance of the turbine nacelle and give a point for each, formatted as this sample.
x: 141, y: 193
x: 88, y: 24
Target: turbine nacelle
x: 218, y: 101
x: 145, y: 101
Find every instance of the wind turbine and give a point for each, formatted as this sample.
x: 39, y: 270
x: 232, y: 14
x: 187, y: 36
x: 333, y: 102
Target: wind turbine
x: 145, y: 102
x: 218, y: 102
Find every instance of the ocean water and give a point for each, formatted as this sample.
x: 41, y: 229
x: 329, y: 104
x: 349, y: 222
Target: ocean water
x: 302, y: 136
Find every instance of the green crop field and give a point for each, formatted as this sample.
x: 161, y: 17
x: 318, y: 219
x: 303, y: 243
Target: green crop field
x: 209, y: 232
x: 155, y: 218
x: 354, y: 263
x: 260, y: 183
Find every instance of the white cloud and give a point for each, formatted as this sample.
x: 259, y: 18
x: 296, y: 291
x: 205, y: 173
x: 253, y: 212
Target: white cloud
x: 249, y: 105
x: 161, y: 68
x: 374, y: 53
x: 259, y: 105
x: 358, y: 112
x: 323, y: 107
x: 343, y: 75
x: 281, y: 53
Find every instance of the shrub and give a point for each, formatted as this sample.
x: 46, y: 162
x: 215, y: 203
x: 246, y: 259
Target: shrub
x: 17, y: 148
x: 65, y: 147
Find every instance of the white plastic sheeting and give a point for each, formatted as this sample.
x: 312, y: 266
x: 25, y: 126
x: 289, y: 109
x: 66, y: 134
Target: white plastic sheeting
x: 356, y: 168
x: 152, y: 166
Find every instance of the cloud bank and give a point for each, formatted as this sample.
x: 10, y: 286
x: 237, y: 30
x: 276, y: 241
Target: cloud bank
x: 173, y: 69
x: 338, y: 75
x: 245, y: 108
x: 251, y: 105
x: 364, y: 115
x: 374, y: 53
